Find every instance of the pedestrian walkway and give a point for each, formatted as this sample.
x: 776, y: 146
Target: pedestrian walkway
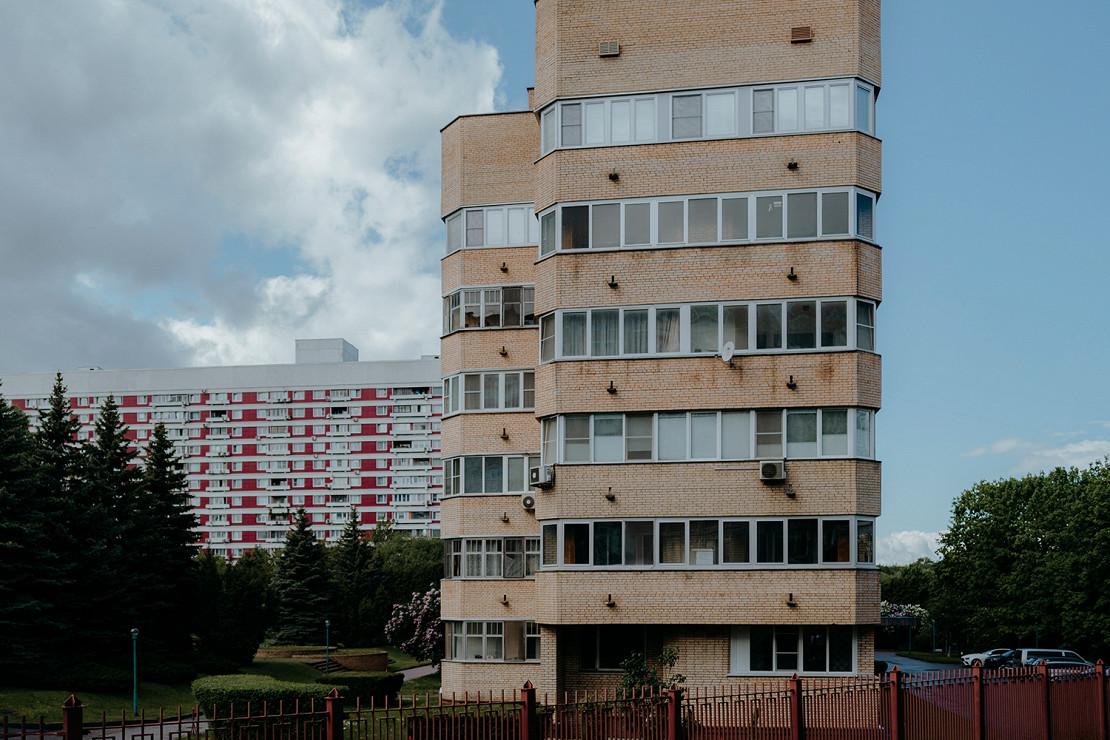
x: 420, y: 670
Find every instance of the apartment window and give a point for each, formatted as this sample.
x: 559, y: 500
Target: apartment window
x: 865, y: 325
x: 776, y: 109
x: 605, y: 647
x: 488, y: 474
x: 787, y: 649
x: 512, y: 557
x: 686, y: 116
x: 482, y: 308
x: 492, y: 641
x: 701, y: 328
x: 708, y: 435
x: 826, y: 213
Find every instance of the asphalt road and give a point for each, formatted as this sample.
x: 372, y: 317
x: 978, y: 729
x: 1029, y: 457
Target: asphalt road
x: 910, y: 665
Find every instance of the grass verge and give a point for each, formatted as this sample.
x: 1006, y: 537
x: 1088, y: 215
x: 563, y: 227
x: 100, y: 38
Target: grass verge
x: 32, y: 703
x: 424, y: 685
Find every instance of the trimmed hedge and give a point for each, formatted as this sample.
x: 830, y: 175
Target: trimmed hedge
x: 220, y: 692
x: 365, y: 686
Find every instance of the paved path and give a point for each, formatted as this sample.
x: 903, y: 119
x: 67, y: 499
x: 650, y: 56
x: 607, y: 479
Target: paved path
x: 912, y: 665
x: 418, y: 671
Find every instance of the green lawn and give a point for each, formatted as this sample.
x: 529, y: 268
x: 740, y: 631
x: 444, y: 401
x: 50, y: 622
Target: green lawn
x: 400, y: 661
x: 32, y: 703
x: 423, y: 685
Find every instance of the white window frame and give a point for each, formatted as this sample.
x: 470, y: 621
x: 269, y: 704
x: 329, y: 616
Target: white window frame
x: 853, y: 232
x: 662, y: 103
x: 740, y: 653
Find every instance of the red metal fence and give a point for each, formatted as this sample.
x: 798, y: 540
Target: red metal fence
x: 1023, y: 704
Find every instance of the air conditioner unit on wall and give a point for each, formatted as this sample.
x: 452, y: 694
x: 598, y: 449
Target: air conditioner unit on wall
x: 772, y: 471
x: 542, y: 476
x: 528, y: 501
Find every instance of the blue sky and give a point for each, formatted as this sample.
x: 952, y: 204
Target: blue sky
x: 203, y: 182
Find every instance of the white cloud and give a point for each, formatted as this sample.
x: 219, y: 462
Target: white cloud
x: 902, y: 548
x: 141, y: 135
x: 1032, y: 457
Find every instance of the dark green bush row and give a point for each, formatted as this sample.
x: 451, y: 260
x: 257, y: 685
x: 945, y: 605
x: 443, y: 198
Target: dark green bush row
x: 220, y: 692
x: 365, y: 686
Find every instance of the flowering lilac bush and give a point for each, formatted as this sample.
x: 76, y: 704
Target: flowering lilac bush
x: 887, y: 609
x: 415, y: 627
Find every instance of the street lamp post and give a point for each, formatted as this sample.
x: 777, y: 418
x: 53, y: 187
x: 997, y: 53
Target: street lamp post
x: 327, y: 647
x: 135, y: 671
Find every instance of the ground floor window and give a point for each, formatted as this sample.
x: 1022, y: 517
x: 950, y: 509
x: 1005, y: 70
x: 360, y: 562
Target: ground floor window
x: 605, y: 647
x: 792, y: 649
x: 492, y: 641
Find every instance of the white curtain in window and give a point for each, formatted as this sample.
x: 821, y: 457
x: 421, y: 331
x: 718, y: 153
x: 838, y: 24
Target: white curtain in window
x: 666, y: 330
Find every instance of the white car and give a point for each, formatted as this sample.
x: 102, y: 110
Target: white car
x: 983, y: 658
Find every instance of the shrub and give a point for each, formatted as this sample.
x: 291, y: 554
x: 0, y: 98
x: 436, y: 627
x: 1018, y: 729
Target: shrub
x: 218, y: 693
x: 880, y: 667
x: 365, y: 686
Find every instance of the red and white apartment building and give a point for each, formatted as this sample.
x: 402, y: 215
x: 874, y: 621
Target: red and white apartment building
x: 329, y: 433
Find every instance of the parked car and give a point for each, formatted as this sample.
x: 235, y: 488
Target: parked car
x: 1029, y: 656
x: 988, y: 659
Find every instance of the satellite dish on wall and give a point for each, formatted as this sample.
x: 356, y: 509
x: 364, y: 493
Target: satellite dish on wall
x: 728, y: 351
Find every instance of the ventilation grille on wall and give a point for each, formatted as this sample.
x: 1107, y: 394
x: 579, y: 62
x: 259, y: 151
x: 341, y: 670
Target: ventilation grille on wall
x: 801, y: 34
x: 609, y: 48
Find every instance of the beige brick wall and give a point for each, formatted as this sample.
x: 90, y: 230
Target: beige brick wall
x: 481, y: 599
x: 481, y: 516
x: 468, y: 267
x: 719, y: 166
x: 820, y: 487
x: 712, y: 42
x: 689, y: 383
x: 488, y: 159
x: 480, y: 349
x: 472, y: 434
x: 723, y: 597
x: 759, y: 271
x: 704, y: 597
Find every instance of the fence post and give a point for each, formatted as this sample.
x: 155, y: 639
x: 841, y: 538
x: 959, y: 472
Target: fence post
x: 335, y: 716
x: 977, y: 714
x: 797, y: 730
x: 528, y: 725
x: 674, y: 713
x: 895, y: 685
x: 1046, y: 727
x: 1102, y: 728
x: 72, y: 718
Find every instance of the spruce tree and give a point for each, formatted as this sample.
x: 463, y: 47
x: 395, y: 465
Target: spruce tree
x: 303, y: 586
x: 239, y: 608
x: 63, y: 526
x: 21, y: 543
x: 158, y: 527
x: 112, y: 576
x: 352, y: 579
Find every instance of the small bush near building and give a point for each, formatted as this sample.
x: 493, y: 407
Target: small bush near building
x: 219, y: 693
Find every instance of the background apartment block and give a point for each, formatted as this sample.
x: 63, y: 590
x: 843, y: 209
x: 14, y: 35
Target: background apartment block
x: 328, y: 433
x: 686, y: 336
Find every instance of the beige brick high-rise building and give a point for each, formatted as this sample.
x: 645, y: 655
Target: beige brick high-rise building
x: 659, y: 351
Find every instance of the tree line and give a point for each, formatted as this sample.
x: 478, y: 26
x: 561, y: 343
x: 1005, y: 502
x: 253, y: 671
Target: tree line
x: 1025, y: 561
x: 96, y: 540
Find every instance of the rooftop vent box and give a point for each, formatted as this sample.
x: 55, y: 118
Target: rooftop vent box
x: 609, y: 49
